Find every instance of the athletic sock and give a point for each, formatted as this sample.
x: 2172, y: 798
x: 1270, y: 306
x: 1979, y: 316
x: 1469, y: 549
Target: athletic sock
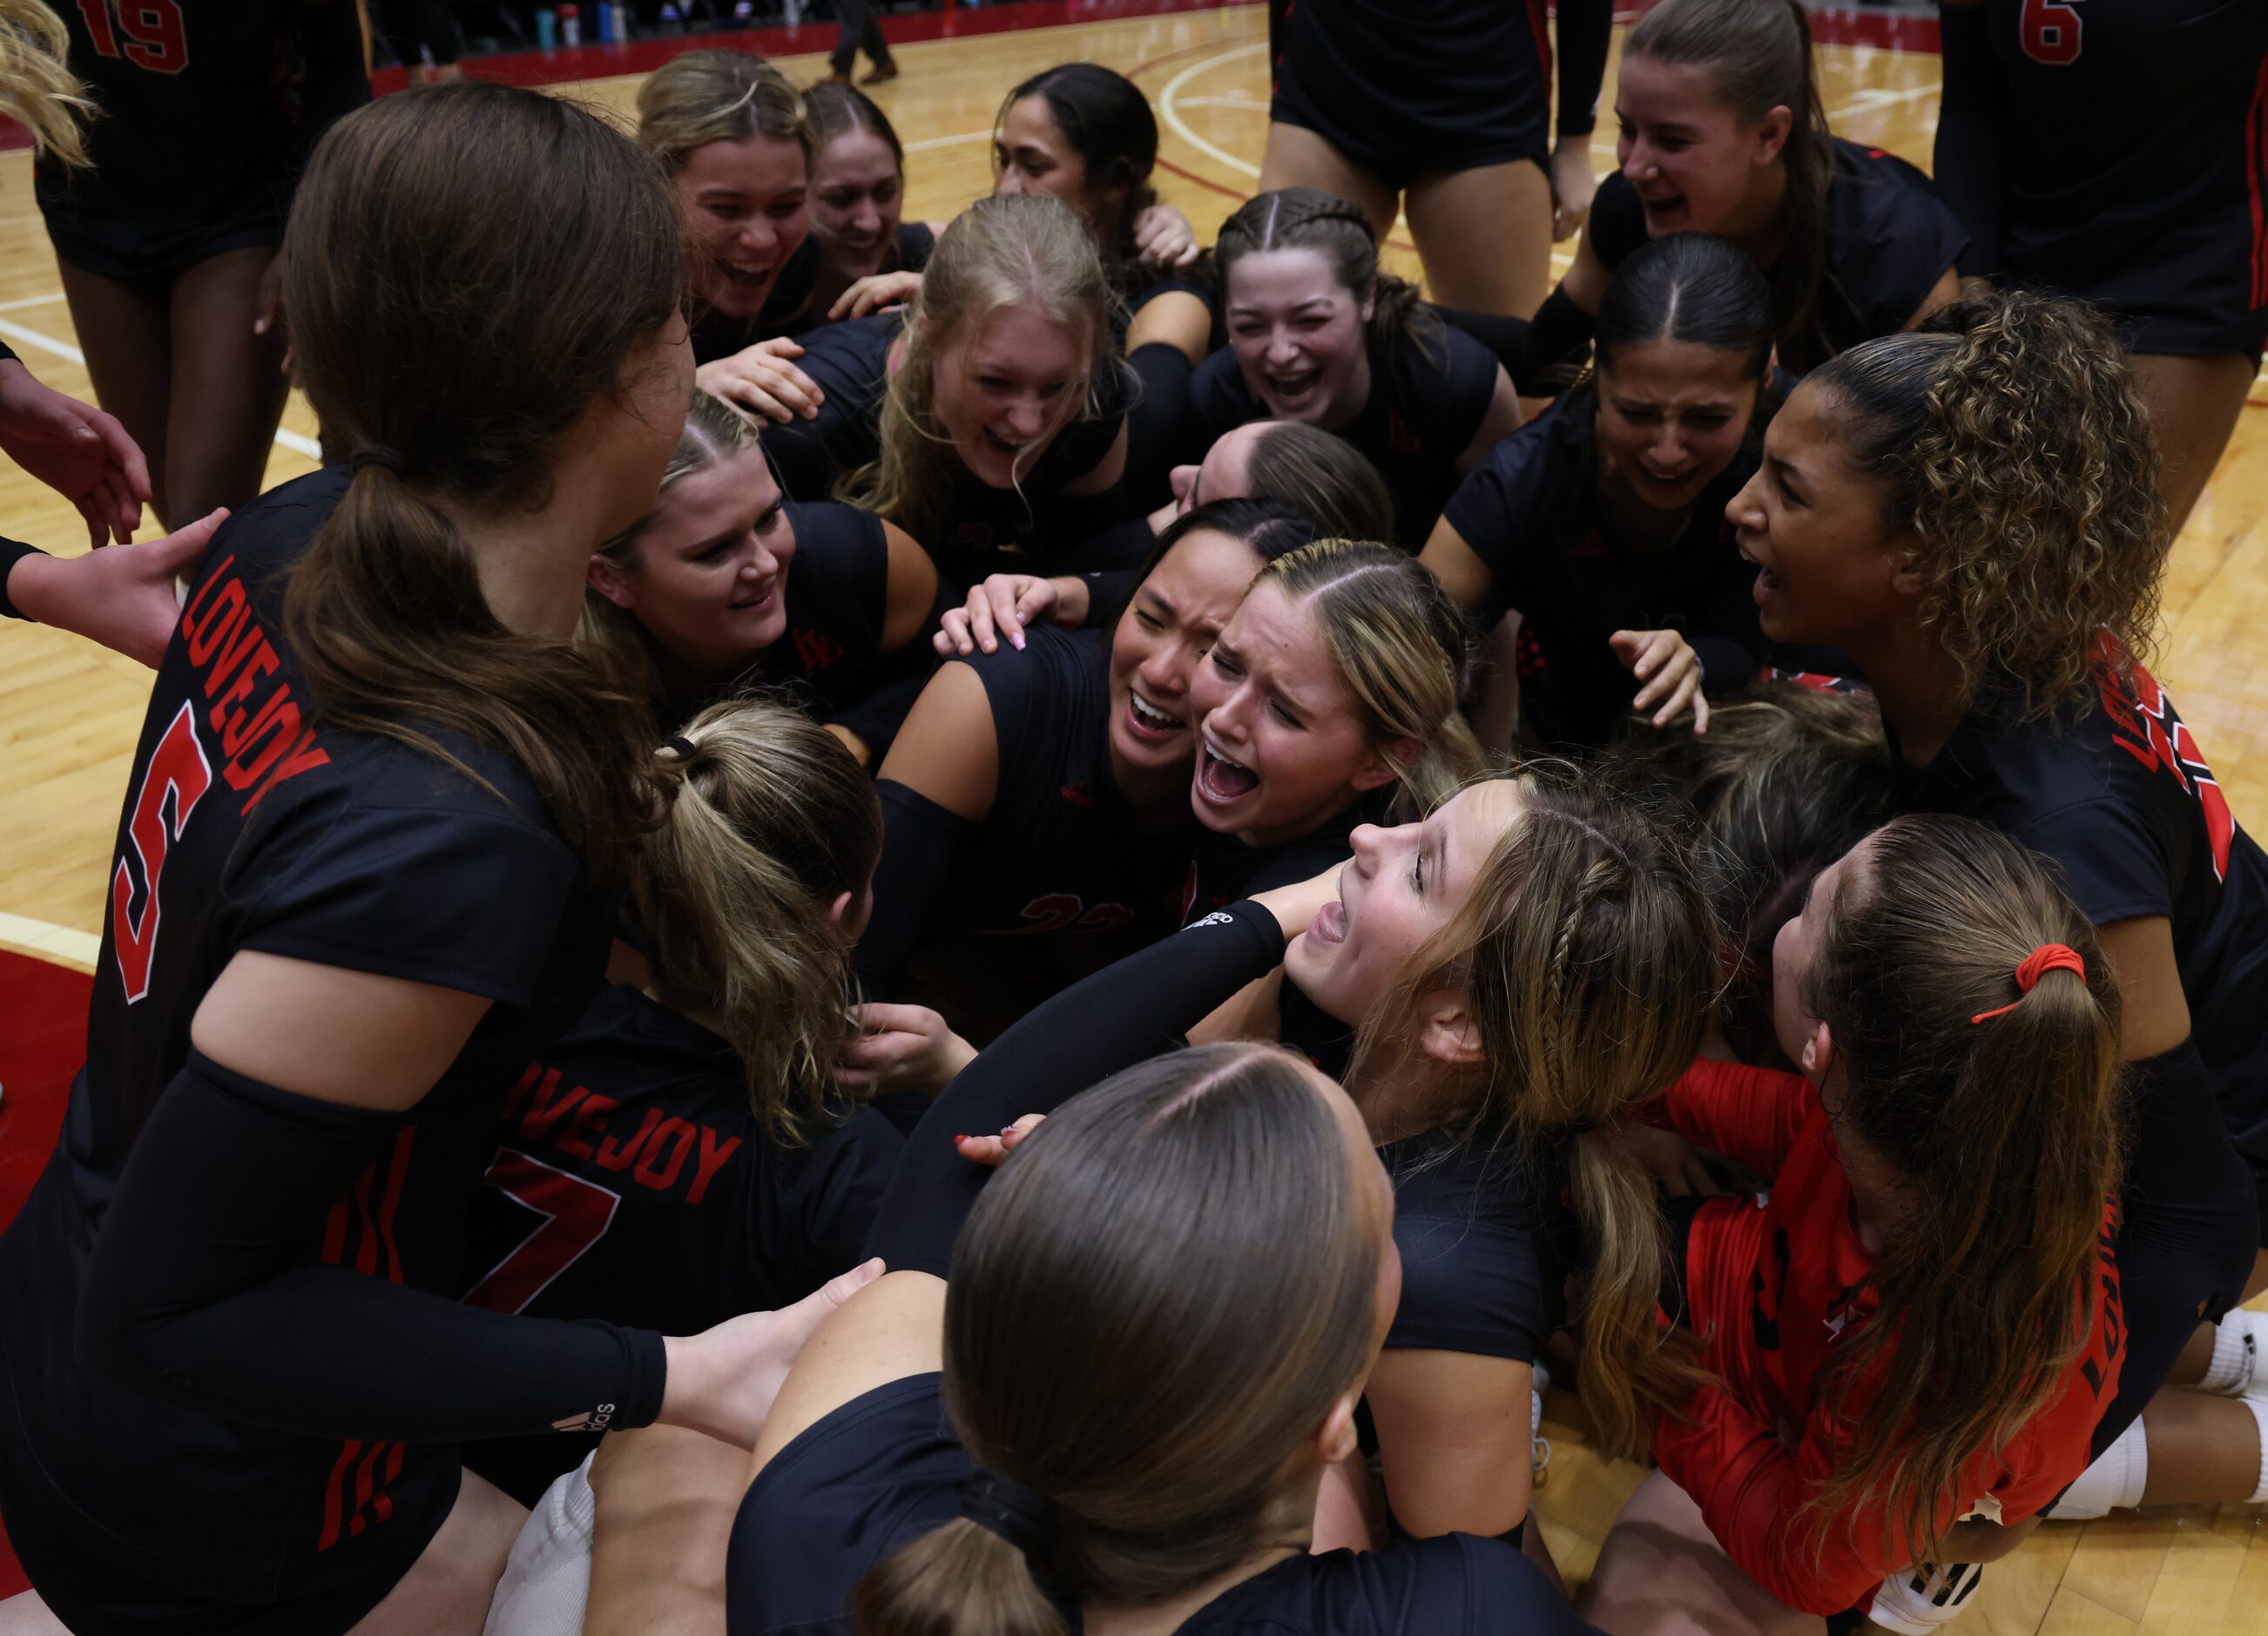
x: 2259, y: 1408
x: 2237, y: 1340
x: 2113, y: 1482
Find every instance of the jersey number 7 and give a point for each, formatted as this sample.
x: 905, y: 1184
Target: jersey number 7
x: 156, y: 37
x: 2051, y: 29
x: 576, y: 1215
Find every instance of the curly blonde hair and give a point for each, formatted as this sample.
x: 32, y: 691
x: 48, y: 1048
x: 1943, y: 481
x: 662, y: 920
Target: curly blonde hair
x: 2016, y: 450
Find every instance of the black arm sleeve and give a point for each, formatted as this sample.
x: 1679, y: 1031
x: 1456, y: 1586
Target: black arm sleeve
x: 1558, y: 344
x: 1585, y: 27
x: 1725, y: 663
x: 13, y: 552
x: 1500, y: 334
x: 1139, y: 1008
x: 1971, y: 156
x: 199, y: 1293
x: 1153, y: 421
x: 919, y: 841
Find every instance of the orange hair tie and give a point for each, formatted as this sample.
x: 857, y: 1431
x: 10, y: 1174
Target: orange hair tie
x: 2046, y: 958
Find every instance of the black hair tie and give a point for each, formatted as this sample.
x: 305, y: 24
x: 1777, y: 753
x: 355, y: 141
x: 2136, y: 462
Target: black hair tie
x: 1020, y: 1515
x: 684, y: 747
x: 375, y: 454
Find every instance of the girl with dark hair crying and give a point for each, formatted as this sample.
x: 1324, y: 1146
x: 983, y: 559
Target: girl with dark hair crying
x: 1039, y: 797
x: 352, y: 904
x: 1722, y: 132
x: 1973, y: 515
x: 1912, y: 1336
x: 1601, y: 524
x: 724, y: 584
x: 688, y: 1132
x: 1040, y: 1418
x: 1318, y: 334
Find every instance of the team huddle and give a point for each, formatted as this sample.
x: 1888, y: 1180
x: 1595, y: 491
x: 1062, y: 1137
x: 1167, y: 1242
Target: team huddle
x: 1001, y: 925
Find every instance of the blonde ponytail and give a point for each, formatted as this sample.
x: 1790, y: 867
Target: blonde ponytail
x: 771, y: 822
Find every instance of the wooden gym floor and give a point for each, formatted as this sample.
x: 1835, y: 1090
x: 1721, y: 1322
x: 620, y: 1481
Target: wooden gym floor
x: 69, y: 713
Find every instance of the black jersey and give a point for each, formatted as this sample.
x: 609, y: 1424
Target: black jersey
x: 1059, y: 852
x: 2134, y: 151
x: 884, y: 1469
x: 629, y: 1181
x: 1485, y: 1244
x: 1889, y: 240
x: 209, y: 108
x: 249, y: 826
x: 1531, y: 511
x: 2122, y: 798
x: 987, y: 530
x: 787, y: 309
x: 1223, y: 868
x: 1425, y: 407
x: 1443, y: 86
x: 838, y: 591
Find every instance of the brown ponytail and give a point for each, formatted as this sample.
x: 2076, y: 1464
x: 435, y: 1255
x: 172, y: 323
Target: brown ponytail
x: 510, y: 252
x: 1588, y: 957
x: 1309, y: 219
x: 1759, y: 53
x: 1161, y: 1410
x: 2007, y: 1133
x: 771, y: 819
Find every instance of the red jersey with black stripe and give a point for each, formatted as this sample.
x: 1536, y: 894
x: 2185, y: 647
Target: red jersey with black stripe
x: 1775, y: 1283
x: 249, y: 825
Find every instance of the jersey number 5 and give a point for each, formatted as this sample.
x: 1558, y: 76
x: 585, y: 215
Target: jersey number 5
x: 2051, y: 32
x: 156, y: 38
x: 177, y: 769
x: 576, y: 1215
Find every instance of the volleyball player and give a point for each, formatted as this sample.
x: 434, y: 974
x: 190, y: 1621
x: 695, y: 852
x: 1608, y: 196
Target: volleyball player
x: 858, y: 199
x: 989, y: 421
x: 360, y: 882
x: 165, y: 238
x: 730, y: 130
x: 1042, y: 792
x: 1313, y: 472
x: 1601, y: 524
x: 1318, y: 334
x: 1912, y: 1335
x: 1442, y: 111
x: 683, y: 1155
x: 724, y: 584
x: 2113, y: 151
x: 1723, y: 132
x: 1917, y: 507
x: 1162, y: 1468
x: 1330, y: 701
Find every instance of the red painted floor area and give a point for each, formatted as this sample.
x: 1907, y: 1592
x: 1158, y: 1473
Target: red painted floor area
x: 43, y: 1042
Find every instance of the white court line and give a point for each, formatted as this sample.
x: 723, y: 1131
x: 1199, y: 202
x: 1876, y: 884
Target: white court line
x: 927, y: 142
x: 59, y: 943
x: 31, y: 300
x: 1180, y: 126
x: 299, y: 443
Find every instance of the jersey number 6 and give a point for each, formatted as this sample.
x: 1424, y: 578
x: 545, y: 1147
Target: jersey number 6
x: 156, y: 37
x: 2051, y: 32
x: 177, y: 768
